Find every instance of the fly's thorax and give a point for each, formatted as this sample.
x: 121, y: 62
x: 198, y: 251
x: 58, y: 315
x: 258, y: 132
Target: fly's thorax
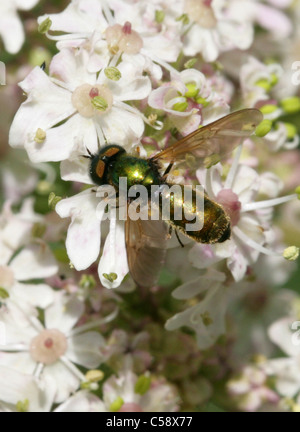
x: 136, y: 170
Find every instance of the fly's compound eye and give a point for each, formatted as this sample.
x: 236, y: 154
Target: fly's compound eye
x: 103, y: 160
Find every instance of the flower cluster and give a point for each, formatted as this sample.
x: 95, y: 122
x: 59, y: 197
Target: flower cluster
x: 76, y: 333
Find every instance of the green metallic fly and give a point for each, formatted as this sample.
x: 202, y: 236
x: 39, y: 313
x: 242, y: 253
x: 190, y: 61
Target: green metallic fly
x: 146, y: 240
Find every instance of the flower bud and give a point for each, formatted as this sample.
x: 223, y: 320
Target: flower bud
x: 94, y: 376
x: 268, y: 109
x: 180, y: 106
x: 291, y: 105
x: 159, y: 16
x: 45, y: 26
x: 113, y: 73
x: 117, y: 404
x: 291, y: 253
x: 291, y: 130
x: 263, y: 128
x: 192, y: 91
x: 53, y: 200
x: 142, y: 385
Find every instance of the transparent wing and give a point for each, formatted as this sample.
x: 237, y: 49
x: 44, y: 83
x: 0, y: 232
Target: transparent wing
x: 146, y: 242
x: 210, y: 144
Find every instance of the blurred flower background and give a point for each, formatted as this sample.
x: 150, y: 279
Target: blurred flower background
x: 220, y: 329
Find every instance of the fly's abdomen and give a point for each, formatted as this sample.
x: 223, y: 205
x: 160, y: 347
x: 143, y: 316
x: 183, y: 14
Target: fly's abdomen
x: 194, y: 214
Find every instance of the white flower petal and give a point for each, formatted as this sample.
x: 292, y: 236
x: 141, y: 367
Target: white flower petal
x: 199, y: 285
x: 16, y: 233
x: 71, y: 68
x: 5, y: 253
x: 81, y: 16
x: 119, y: 123
x: 202, y: 256
x: 287, y: 373
x: 246, y: 183
x: 131, y: 86
x: 84, y: 234
x: 39, y: 295
x: 76, y: 170
x: 46, y: 106
x: 84, y: 349
x: 207, y: 318
x: 17, y: 325
x: 82, y: 401
x: 21, y: 362
x: 199, y: 40
x: 165, y: 48
x: 25, y: 4
x: 74, y: 136
x: 114, y: 257
x: 11, y: 31
x: 64, y: 313
x: 237, y: 264
x: 16, y: 387
x: 34, y: 262
x: 281, y: 334
x: 65, y: 380
x: 121, y: 386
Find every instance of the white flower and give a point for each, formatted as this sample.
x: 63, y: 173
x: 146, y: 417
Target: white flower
x: 33, y: 262
x: 122, y: 394
x: 251, y: 390
x: 285, y: 334
x: 215, y: 27
x: 91, y: 108
x: 17, y: 229
x: 17, y: 177
x: 11, y: 29
x: 82, y: 401
x: 91, y: 24
x: 257, y: 80
x: 206, y: 318
x: 155, y: 22
x: 53, y: 349
x: 250, y: 220
x: 24, y: 393
x: 84, y: 238
x: 261, y: 85
x: 268, y: 17
x: 189, y: 101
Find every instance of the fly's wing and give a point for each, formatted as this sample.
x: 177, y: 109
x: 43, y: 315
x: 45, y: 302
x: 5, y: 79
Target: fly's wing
x: 210, y: 144
x: 146, y: 242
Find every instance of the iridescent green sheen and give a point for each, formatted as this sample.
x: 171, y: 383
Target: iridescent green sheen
x: 137, y: 171
x: 112, y: 163
x: 215, y: 222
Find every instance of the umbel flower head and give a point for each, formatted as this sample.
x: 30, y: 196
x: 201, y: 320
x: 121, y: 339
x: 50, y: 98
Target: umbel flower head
x: 142, y: 75
x: 51, y: 350
x: 91, y: 109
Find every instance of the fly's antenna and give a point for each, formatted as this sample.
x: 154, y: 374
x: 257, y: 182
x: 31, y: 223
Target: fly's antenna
x: 89, y: 156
